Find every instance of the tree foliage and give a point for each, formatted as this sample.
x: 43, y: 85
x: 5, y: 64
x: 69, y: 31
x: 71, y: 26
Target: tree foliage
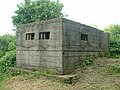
x: 6, y: 42
x: 114, y: 31
x: 7, y: 53
x: 37, y: 10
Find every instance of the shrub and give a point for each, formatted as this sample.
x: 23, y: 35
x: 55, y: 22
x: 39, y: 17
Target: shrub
x: 88, y: 61
x: 116, y: 67
x: 7, y: 55
x: 114, y: 48
x: 100, y: 54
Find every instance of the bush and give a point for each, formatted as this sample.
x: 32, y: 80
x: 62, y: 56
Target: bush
x: 88, y: 61
x: 5, y: 40
x: 114, y: 48
x: 7, y: 55
x: 116, y: 67
x: 100, y: 54
x: 114, y: 31
x: 7, y: 61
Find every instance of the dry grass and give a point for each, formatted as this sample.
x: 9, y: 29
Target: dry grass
x: 93, y: 77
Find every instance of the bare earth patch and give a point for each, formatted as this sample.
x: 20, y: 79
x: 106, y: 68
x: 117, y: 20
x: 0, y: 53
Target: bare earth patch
x: 20, y: 83
x: 93, y: 77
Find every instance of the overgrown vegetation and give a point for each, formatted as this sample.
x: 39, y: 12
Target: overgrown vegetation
x: 114, y: 48
x: 115, y: 68
x: 114, y: 31
x: 7, y: 54
x: 89, y: 60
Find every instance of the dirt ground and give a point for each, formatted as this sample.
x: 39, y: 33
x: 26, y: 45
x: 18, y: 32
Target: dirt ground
x: 93, y: 77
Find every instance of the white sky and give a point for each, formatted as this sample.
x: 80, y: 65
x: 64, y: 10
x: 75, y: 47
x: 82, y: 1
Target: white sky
x: 96, y: 12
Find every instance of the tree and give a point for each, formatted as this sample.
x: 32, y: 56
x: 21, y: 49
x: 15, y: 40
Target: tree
x: 5, y: 43
x: 37, y: 10
x: 114, y: 31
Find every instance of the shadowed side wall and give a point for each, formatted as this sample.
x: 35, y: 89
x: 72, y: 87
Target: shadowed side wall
x: 74, y: 48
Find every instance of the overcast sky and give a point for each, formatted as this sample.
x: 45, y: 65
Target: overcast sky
x: 97, y: 12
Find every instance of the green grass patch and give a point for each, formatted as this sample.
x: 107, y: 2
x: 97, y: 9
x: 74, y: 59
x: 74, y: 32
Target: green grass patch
x: 115, y: 56
x: 3, y: 86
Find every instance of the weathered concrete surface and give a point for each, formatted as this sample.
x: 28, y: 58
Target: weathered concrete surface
x: 75, y: 49
x: 63, y: 50
x: 40, y: 53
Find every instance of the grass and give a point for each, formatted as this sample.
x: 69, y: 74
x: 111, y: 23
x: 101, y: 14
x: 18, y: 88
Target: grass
x: 115, y: 56
x: 3, y: 84
x: 95, y: 76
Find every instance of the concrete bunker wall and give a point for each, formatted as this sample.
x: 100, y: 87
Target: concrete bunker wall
x: 35, y: 50
x: 77, y: 47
